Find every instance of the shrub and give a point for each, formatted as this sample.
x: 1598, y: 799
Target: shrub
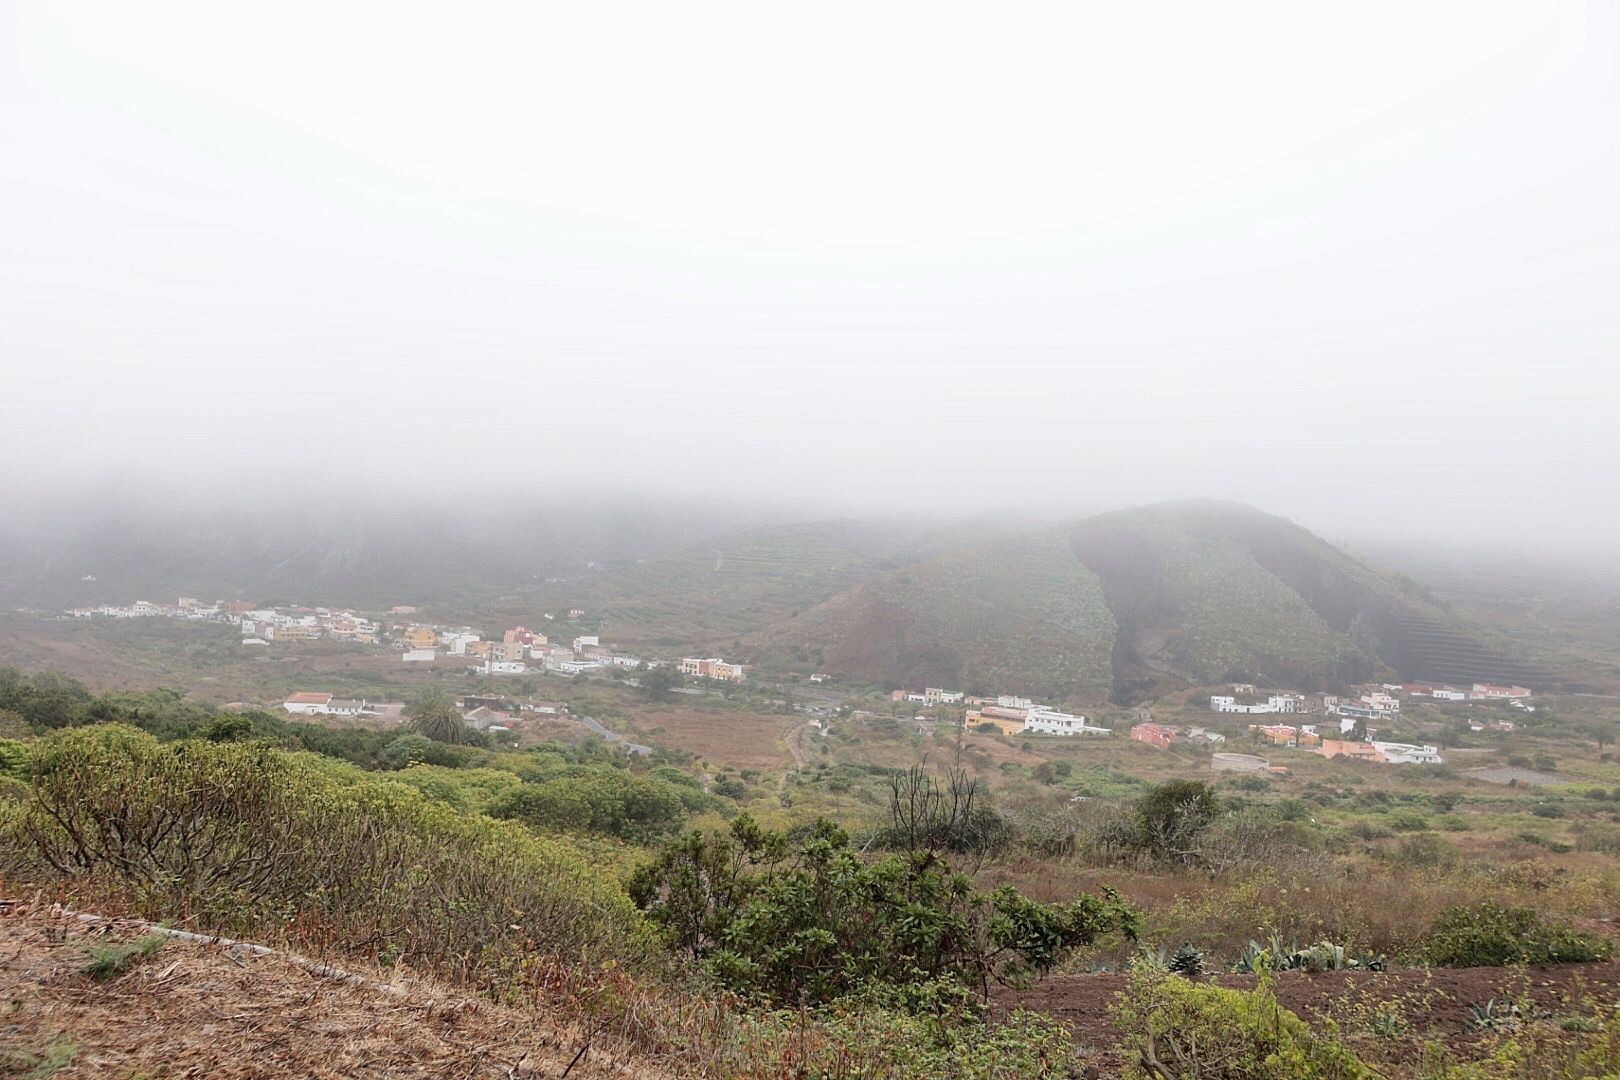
x: 1180, y: 1029
x: 1491, y: 935
x: 228, y: 727
x: 1408, y: 821
x: 247, y: 839
x: 815, y: 922
x: 608, y: 802
x: 1425, y: 850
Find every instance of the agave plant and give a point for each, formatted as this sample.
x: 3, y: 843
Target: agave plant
x: 1503, y: 1015
x: 1187, y: 961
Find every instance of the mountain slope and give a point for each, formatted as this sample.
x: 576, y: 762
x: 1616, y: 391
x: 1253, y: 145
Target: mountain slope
x: 707, y: 596
x: 1118, y: 604
x: 1015, y: 613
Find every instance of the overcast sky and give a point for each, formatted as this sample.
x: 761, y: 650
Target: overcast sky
x: 1356, y: 263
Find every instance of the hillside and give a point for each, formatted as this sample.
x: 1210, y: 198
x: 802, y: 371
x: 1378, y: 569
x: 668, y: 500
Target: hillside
x: 1015, y: 613
x: 1118, y: 605
x: 233, y: 1012
x: 707, y: 596
x: 348, y: 548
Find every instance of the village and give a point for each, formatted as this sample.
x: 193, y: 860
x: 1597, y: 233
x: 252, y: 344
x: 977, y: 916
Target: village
x: 519, y: 650
x: 1344, y: 726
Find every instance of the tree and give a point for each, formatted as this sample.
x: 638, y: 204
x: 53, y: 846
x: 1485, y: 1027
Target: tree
x: 1172, y: 817
x: 434, y: 714
x: 656, y: 683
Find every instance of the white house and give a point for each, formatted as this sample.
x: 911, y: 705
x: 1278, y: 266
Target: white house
x: 1408, y: 754
x: 1043, y: 721
x: 502, y: 667
x: 457, y: 641
x: 417, y: 656
x: 1276, y: 703
x: 307, y: 703
x: 1008, y: 701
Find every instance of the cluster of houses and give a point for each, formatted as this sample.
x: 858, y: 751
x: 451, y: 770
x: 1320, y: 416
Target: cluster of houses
x: 519, y: 650
x: 1348, y: 716
x: 187, y: 607
x: 1322, y: 738
x: 1517, y: 696
x: 259, y: 625
x: 1021, y: 716
x: 482, y: 711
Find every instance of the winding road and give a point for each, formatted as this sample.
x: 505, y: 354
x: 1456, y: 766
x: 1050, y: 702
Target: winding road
x: 614, y: 736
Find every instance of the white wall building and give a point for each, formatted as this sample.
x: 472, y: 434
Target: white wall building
x: 456, y: 641
x: 1044, y: 721
x: 1276, y: 703
x: 418, y: 656
x: 1408, y: 754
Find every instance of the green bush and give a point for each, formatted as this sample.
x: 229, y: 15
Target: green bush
x: 815, y: 922
x: 247, y: 839
x: 1491, y: 935
x: 593, y: 799
x: 1183, y: 1030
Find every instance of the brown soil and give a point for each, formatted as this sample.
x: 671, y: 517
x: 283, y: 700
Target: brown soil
x: 1435, y: 1002
x: 739, y: 739
x: 201, y: 1010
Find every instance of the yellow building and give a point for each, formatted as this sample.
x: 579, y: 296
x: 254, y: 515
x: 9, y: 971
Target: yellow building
x: 1007, y: 725
x: 420, y: 637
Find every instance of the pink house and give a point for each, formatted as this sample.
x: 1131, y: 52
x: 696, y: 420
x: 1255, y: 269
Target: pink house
x: 1154, y: 735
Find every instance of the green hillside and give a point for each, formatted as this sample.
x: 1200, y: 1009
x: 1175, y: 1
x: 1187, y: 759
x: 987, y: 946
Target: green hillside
x: 709, y: 596
x: 1127, y: 603
x: 1014, y: 614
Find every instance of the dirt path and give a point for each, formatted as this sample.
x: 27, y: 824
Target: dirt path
x: 795, y: 746
x: 200, y: 1010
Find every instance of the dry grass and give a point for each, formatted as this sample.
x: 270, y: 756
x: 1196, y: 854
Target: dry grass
x: 742, y: 740
x: 199, y: 1010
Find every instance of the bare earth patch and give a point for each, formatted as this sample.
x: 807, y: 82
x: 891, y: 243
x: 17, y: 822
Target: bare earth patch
x: 205, y: 1011
x: 742, y: 740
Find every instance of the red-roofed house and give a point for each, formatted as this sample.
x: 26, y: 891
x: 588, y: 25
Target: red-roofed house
x: 306, y: 702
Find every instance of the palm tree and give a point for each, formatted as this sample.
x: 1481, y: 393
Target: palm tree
x: 434, y: 714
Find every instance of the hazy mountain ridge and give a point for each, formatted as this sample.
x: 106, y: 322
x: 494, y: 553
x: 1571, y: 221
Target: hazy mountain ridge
x: 1115, y: 605
x: 1108, y: 607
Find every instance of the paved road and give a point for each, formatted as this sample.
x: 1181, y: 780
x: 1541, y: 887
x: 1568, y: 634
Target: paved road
x: 614, y: 736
